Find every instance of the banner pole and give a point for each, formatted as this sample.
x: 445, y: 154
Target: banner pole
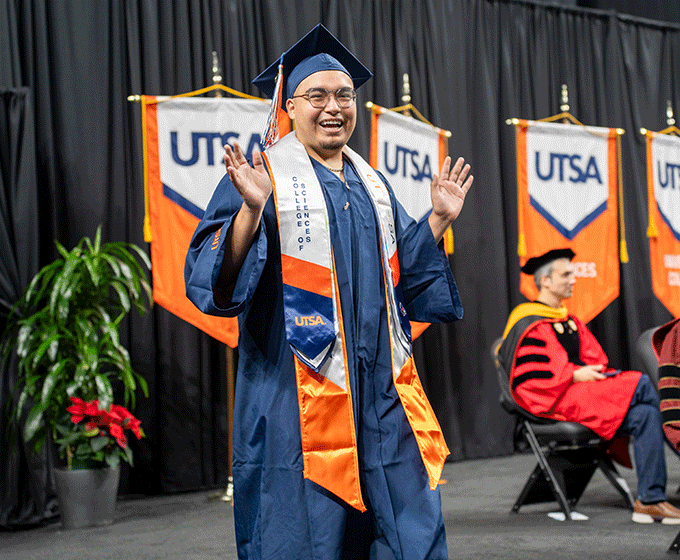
x: 228, y: 493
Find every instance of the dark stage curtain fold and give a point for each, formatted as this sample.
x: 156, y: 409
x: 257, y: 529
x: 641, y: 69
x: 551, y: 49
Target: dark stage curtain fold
x: 472, y: 65
x: 26, y: 496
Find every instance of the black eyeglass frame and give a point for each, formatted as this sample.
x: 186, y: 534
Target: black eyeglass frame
x: 343, y: 104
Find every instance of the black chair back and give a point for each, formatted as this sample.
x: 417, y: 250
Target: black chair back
x: 645, y: 352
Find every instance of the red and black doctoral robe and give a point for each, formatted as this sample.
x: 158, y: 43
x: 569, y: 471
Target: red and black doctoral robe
x: 542, y: 348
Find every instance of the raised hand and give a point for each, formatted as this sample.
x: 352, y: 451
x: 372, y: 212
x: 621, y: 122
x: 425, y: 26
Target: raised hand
x: 448, y: 190
x: 254, y: 186
x: 252, y: 182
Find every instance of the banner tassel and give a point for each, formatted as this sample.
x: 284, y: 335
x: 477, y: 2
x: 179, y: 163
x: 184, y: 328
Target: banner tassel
x: 623, y: 251
x: 522, y: 246
x: 651, y: 229
x: 448, y: 241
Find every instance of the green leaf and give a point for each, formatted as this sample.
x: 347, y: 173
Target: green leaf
x: 72, y: 389
x: 53, y: 377
x: 61, y: 249
x: 81, y: 374
x: 142, y: 385
x: 128, y: 379
x: 113, y: 263
x: 34, y: 422
x: 127, y: 455
x: 98, y: 239
x: 104, y: 391
x: 42, y: 349
x: 68, y: 278
x: 39, y: 440
x: 126, y: 271
x: 32, y: 285
x: 63, y: 430
x: 113, y: 459
x: 94, y: 273
x: 98, y: 443
x: 83, y: 449
x: 141, y: 254
x: 18, y: 411
x: 23, y: 340
x: 53, y: 349
x: 70, y: 438
x: 123, y: 296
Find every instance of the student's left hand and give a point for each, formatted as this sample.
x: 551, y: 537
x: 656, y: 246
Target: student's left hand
x: 448, y: 191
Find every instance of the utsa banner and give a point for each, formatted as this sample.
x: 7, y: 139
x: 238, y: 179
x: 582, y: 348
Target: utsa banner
x: 183, y: 149
x: 567, y: 177
x: 663, y: 195
x: 408, y: 152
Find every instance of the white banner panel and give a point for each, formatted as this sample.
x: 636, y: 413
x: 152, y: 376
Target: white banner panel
x: 666, y: 173
x: 191, y: 134
x: 568, y: 174
x: 408, y: 152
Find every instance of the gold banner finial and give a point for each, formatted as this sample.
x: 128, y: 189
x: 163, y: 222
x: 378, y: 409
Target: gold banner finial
x: 564, y: 107
x: 217, y: 75
x: 670, y: 121
x: 405, y: 90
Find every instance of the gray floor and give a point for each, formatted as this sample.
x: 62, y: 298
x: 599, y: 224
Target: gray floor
x: 476, y: 502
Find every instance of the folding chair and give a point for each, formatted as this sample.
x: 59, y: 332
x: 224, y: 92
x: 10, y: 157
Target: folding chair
x: 567, y: 454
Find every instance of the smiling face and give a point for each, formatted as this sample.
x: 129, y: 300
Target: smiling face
x: 323, y: 132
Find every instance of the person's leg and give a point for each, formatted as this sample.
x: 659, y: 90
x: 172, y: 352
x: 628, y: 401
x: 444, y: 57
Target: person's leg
x: 643, y: 422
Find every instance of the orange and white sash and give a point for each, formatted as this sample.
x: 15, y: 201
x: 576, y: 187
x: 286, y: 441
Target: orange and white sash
x: 314, y: 325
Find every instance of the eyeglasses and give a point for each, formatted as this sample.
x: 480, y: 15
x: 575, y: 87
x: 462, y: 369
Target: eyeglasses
x: 318, y: 97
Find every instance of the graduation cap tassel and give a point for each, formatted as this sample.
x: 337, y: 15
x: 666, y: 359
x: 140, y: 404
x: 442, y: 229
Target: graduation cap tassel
x: 271, y: 133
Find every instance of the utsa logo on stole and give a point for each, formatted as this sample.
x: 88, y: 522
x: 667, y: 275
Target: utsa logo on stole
x: 308, y: 320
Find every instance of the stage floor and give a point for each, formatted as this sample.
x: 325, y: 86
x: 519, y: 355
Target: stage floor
x: 476, y: 501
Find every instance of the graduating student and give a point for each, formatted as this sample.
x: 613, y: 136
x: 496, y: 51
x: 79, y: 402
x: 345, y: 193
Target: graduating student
x: 558, y: 370
x: 337, y: 452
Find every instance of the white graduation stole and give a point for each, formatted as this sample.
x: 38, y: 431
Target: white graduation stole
x: 314, y: 325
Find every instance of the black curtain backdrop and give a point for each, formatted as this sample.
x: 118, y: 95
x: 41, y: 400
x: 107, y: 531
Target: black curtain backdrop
x: 472, y: 64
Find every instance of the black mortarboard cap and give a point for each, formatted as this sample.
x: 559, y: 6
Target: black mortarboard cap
x: 534, y: 263
x: 318, y: 41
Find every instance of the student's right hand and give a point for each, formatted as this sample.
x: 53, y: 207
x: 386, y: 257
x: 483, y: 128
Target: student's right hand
x: 252, y: 182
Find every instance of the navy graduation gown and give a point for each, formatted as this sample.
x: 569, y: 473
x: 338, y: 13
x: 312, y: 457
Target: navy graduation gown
x: 278, y: 514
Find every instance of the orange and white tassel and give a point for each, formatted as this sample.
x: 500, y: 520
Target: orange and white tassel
x: 271, y: 133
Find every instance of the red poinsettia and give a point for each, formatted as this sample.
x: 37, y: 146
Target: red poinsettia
x: 98, y: 432
x: 128, y: 422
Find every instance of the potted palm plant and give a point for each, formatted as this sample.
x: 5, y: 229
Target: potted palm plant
x: 72, y: 365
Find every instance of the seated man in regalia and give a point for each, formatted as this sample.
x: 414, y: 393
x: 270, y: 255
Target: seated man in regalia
x: 558, y: 370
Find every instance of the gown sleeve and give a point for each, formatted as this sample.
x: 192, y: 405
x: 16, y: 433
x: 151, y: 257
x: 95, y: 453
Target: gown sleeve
x: 542, y: 371
x: 206, y: 253
x: 429, y: 289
